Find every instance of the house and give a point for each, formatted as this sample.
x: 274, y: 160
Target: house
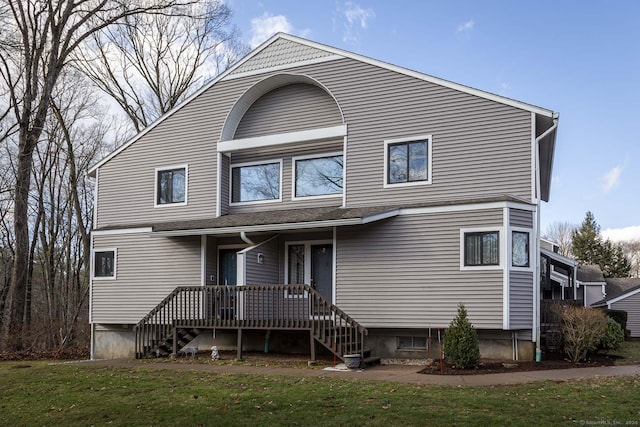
x: 624, y: 294
x: 311, y: 196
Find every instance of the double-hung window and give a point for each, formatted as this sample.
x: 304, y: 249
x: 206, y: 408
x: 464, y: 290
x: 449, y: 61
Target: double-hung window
x: 481, y: 248
x: 408, y: 161
x: 104, y: 264
x: 171, y: 186
x: 256, y: 182
x: 318, y: 176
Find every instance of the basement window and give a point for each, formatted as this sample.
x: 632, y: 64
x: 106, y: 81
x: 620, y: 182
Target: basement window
x: 412, y: 343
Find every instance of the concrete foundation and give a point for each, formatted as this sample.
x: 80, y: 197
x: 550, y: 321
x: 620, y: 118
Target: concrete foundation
x: 114, y: 342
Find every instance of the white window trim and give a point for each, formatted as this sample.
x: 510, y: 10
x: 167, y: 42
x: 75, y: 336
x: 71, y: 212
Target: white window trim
x: 510, y: 249
x: 186, y: 186
x: 307, y: 264
x: 388, y: 142
x: 115, y: 263
x: 314, y: 156
x: 501, y: 248
x: 254, y: 202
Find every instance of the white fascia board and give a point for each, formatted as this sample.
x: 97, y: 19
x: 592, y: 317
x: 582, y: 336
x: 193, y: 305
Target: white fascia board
x: 466, y: 207
x: 282, y: 138
x: 121, y: 231
x: 422, y: 76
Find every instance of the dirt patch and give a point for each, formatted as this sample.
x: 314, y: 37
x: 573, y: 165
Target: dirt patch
x: 550, y: 361
x: 65, y: 354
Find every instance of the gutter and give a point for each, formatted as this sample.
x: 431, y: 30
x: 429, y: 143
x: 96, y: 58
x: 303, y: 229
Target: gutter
x: 538, y: 205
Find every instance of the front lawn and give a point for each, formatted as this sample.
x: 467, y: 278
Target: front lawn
x: 34, y: 393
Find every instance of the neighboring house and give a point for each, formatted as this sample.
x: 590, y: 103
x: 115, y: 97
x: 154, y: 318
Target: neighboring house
x: 624, y: 294
x: 592, y: 286
x: 310, y: 195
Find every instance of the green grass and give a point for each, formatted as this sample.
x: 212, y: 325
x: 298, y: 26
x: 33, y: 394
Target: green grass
x: 70, y: 395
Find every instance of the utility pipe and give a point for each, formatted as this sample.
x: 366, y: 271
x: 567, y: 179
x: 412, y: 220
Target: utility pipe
x: 245, y: 239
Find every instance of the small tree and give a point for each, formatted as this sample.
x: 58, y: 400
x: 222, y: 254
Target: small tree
x: 582, y: 330
x: 613, y: 337
x: 461, y: 341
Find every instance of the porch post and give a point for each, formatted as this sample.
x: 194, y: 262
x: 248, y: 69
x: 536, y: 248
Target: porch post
x: 239, y: 345
x: 312, y: 342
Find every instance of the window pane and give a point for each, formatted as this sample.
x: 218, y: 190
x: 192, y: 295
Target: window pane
x: 473, y: 249
x: 397, y: 163
x: 490, y: 249
x: 296, y: 264
x: 315, y: 177
x: 104, y: 264
x: 520, y: 249
x: 253, y: 183
x: 178, y: 186
x: 418, y: 161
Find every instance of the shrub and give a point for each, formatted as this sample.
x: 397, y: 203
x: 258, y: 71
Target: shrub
x: 619, y: 316
x: 613, y: 337
x: 582, y: 329
x: 461, y: 341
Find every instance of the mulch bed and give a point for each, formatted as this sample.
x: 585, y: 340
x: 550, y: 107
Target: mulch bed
x: 550, y: 361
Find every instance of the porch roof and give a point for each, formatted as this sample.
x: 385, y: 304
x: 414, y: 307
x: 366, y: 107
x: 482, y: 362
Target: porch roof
x: 275, y: 220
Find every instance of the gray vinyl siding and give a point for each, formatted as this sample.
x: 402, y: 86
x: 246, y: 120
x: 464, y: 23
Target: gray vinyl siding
x: 188, y: 136
x: 521, y: 286
x: 520, y: 218
x: 277, y: 153
x: 632, y: 306
x: 404, y: 272
x: 280, y: 53
x: 147, y: 270
x: 224, y: 185
x: 268, y: 272
x: 290, y: 108
x: 592, y: 294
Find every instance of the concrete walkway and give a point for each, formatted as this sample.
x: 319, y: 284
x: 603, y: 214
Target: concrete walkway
x: 391, y: 373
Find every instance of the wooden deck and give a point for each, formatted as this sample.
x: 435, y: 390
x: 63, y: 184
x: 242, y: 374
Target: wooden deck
x: 188, y: 310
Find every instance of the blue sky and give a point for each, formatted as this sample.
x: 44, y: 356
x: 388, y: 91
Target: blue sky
x: 580, y: 58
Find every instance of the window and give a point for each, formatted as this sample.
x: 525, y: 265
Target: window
x: 520, y: 249
x: 104, y: 264
x: 408, y: 161
x: 320, y: 176
x: 171, y: 186
x: 481, y: 248
x: 255, y: 182
x: 412, y: 343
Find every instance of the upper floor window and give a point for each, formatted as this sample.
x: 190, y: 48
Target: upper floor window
x: 318, y: 176
x: 520, y: 248
x: 104, y: 264
x: 482, y: 248
x: 171, y: 186
x: 256, y: 182
x: 408, y: 161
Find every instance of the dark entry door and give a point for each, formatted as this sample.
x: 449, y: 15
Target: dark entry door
x: 322, y: 270
x: 228, y: 267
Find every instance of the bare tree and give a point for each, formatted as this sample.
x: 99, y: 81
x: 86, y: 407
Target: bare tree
x: 560, y: 232
x: 631, y: 249
x: 152, y: 62
x: 36, y: 42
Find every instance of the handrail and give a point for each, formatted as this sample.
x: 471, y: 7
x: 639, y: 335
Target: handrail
x: 284, y: 307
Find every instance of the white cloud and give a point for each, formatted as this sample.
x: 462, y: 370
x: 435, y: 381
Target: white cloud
x: 611, y: 179
x: 263, y: 27
x: 619, y: 234
x: 354, y: 18
x: 466, y: 26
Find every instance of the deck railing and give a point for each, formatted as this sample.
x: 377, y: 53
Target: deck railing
x: 269, y: 307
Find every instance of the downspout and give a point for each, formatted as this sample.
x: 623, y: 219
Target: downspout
x: 538, y: 205
x: 245, y: 239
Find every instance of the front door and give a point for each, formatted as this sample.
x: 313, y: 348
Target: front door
x: 322, y: 270
x: 228, y: 267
